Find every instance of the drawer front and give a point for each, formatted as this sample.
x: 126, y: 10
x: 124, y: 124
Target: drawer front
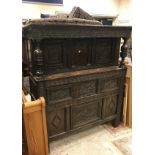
x: 86, y: 88
x: 85, y: 113
x: 71, y: 91
x: 109, y: 84
x: 59, y: 93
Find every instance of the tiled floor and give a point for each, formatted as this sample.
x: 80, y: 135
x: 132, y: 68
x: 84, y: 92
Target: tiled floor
x: 100, y: 140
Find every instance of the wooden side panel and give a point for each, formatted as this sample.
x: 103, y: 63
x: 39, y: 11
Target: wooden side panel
x: 35, y: 127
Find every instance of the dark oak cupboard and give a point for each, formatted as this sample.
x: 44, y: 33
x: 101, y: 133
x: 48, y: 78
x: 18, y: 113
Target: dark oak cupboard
x: 75, y: 67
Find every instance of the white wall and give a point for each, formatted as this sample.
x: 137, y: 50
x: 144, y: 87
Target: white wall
x: 107, y: 7
x: 125, y: 13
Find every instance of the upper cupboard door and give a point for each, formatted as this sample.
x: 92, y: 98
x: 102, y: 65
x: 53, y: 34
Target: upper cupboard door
x: 80, y: 52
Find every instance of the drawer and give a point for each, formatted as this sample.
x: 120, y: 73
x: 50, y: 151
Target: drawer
x: 59, y: 93
x: 109, y: 84
x: 86, y: 88
x: 71, y: 91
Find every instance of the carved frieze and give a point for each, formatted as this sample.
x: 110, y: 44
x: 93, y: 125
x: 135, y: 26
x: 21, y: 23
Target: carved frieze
x: 58, y: 94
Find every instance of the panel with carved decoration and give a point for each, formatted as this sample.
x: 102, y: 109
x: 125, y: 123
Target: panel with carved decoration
x: 87, y: 88
x: 109, y: 106
x: 55, y: 122
x: 58, y: 93
x: 109, y: 84
x: 85, y: 113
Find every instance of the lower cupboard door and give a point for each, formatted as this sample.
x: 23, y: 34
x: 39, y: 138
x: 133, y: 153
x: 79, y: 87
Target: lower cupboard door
x: 56, y: 122
x: 85, y: 113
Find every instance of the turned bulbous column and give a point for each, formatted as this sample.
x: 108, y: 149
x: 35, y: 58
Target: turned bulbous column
x: 38, y: 59
x: 123, y: 54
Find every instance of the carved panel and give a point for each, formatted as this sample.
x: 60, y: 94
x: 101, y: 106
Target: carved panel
x: 55, y: 122
x: 109, y: 84
x: 86, y: 88
x: 85, y: 113
x: 57, y: 94
x: 103, y: 51
x: 109, y: 106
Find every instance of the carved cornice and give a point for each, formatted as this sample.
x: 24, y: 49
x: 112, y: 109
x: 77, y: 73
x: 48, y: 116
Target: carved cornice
x: 43, y: 31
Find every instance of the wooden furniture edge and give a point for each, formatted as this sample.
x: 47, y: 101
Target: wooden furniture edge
x: 33, y: 106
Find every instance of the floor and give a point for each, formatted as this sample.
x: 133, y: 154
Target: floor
x: 100, y: 140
